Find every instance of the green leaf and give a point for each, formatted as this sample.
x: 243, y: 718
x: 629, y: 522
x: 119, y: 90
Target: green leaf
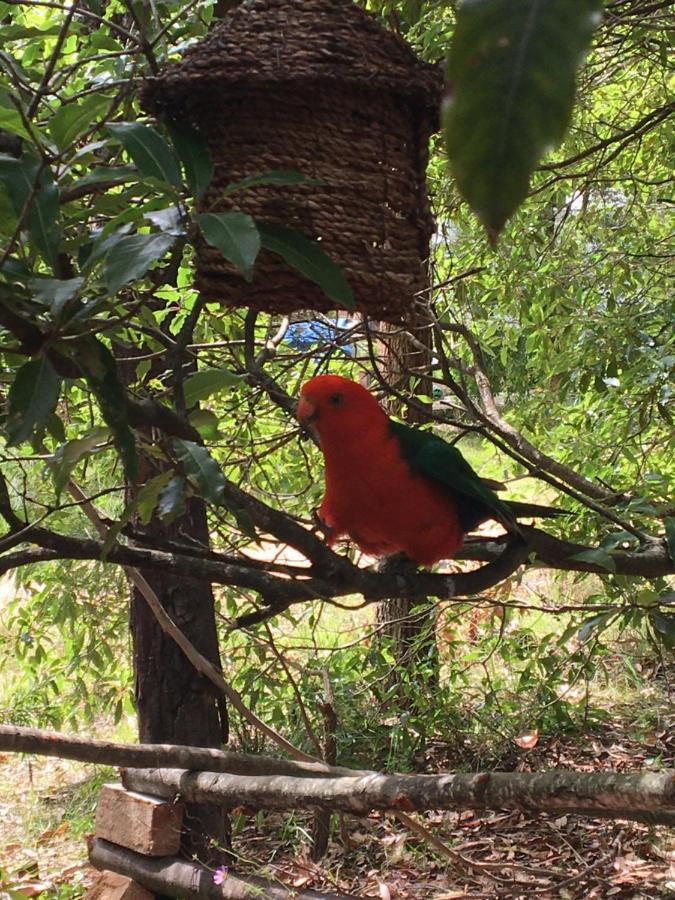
x: 200, y: 466
x: 25, y: 179
x: 99, y: 368
x: 307, y: 257
x: 92, y: 252
x: 116, y: 528
x: 194, y: 154
x: 32, y: 399
x: 205, y: 472
x: 20, y: 32
x: 115, y: 174
x: 598, y: 557
x: 279, y: 177
x: 245, y: 523
x: 8, y: 220
x: 669, y: 522
x: 148, y: 149
x: 68, y: 455
x: 55, y: 292
x: 172, y: 499
x: 131, y: 257
x: 10, y: 120
x: 55, y: 428
x: 511, y: 71
x: 235, y: 235
x: 664, y: 627
x: 74, y: 119
x: 596, y: 623
x: 148, y: 496
x: 206, y: 423
x: 208, y: 381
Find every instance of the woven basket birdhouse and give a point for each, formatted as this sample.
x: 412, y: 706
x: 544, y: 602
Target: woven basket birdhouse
x: 319, y: 87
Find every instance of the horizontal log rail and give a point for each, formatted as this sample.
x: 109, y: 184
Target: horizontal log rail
x: 644, y: 797
x: 14, y: 738
x: 232, y: 779
x: 173, y: 877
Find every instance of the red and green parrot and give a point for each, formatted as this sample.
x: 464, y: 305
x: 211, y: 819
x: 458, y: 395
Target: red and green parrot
x: 391, y: 488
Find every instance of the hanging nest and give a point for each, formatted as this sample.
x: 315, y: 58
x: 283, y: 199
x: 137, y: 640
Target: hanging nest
x: 319, y: 87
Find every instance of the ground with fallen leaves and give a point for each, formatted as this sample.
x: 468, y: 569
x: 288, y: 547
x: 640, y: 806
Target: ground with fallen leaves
x: 46, y: 809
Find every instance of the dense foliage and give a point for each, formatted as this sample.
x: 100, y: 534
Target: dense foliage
x: 553, y: 352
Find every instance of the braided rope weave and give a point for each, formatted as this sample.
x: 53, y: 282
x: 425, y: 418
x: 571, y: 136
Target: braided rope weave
x: 316, y: 86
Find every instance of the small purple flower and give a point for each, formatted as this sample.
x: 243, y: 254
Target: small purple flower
x: 220, y: 874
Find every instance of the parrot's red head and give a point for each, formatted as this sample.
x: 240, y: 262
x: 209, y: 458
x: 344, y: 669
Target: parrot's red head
x: 336, y: 407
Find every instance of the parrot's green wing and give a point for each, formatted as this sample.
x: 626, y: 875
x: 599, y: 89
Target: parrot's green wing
x: 427, y: 454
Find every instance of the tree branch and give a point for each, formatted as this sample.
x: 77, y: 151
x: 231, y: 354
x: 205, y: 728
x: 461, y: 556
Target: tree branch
x: 494, y: 420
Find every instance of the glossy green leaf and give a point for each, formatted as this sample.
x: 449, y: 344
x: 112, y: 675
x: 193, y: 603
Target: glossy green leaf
x: 32, y: 399
x: 202, y: 468
x: 21, y: 32
x: 193, y: 151
x: 235, y: 235
x: 207, y: 382
x: 113, y: 174
x: 207, y: 424
x: 74, y: 119
x: 664, y: 627
x: 55, y: 292
x: 131, y: 257
x: 25, y: 180
x: 307, y: 257
x: 511, y: 74
x: 173, y: 499
x: 148, y: 496
x: 10, y: 120
x: 100, y: 371
x: 91, y: 252
x: 68, y: 455
x: 595, y: 623
x: 148, y: 149
x: 55, y: 428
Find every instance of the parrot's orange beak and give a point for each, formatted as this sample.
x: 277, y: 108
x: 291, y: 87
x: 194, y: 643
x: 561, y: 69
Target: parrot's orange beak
x: 305, y: 412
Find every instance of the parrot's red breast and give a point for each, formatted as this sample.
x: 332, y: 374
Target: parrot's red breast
x: 372, y: 495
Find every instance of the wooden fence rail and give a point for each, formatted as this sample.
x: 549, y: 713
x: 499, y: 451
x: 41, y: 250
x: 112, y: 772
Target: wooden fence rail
x: 645, y: 797
x: 180, y: 878
x: 232, y: 779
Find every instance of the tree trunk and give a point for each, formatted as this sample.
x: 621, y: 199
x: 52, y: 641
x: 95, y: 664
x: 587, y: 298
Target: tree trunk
x: 410, y: 635
x: 174, y: 703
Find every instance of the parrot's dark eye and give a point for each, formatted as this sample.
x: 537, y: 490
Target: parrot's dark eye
x: 336, y: 399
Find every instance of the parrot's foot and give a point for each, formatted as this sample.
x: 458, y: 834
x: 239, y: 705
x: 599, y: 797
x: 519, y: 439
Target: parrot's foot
x: 397, y: 564
x: 321, y: 525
